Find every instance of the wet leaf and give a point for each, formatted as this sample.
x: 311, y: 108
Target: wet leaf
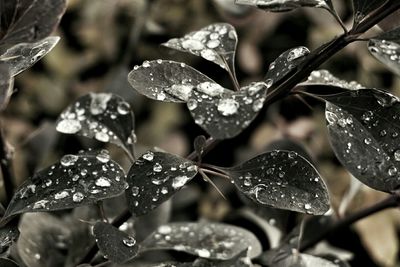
x: 240, y: 260
x: 103, y: 116
x: 23, y: 55
x: 286, y: 5
x: 8, y: 235
x: 76, y: 180
x: 304, y: 260
x: 6, y: 85
x: 282, y: 179
x: 154, y: 178
x: 206, y: 240
x: 7, y: 263
x: 165, y: 80
x: 224, y: 113
x: 285, y: 64
x: 364, y: 127
x: 29, y: 20
x: 361, y: 8
x: 117, y: 246
x: 386, y: 48
x: 325, y: 78
x: 216, y: 43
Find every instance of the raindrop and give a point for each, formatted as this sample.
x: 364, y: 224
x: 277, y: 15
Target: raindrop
x: 103, y: 157
x: 98, y: 103
x: 204, y: 253
x: 102, y: 137
x: 61, y: 195
x: 148, y: 156
x: 191, y: 44
x: 392, y: 171
x: 68, y: 160
x: 228, y: 106
x: 307, y: 206
x: 68, y: 126
x: 103, y: 182
x: 129, y: 241
x: 77, y: 197
x: 157, y: 167
x: 397, y: 155
x: 297, y: 53
x: 164, y: 229
x: 192, y: 104
x: 135, y: 191
x: 123, y: 108
x: 179, y: 181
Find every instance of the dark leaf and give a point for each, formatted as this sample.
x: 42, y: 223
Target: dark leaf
x: 29, y: 20
x: 224, y: 113
x: 165, y: 80
x: 285, y: 64
x: 103, y: 116
x: 117, y: 246
x: 199, y: 144
x: 76, y: 180
x: 154, y: 178
x: 361, y: 8
x: 304, y: 260
x: 286, y: 5
x: 216, y: 43
x: 22, y: 56
x: 364, y: 127
x: 325, y: 78
x: 8, y: 235
x: 7, y: 263
x: 282, y: 179
x: 206, y: 240
x: 386, y: 48
x: 240, y: 260
x: 6, y: 85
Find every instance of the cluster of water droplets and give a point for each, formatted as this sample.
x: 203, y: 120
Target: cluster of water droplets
x: 387, y: 52
x: 324, y: 77
x: 283, y: 5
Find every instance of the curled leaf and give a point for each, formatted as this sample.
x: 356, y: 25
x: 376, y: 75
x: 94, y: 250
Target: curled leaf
x: 103, y: 116
x: 282, y: 179
x: 117, y: 246
x: 216, y: 43
x: 206, y: 240
x: 154, y: 178
x: 76, y: 180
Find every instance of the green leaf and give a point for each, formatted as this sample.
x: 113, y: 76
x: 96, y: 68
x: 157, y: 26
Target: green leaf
x: 76, y: 180
x: 154, y: 178
x: 282, y: 179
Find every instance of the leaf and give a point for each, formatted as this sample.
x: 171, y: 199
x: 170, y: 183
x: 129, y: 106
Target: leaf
x: 216, y: 43
x: 224, y: 113
x: 363, y: 128
x: 154, y: 178
x: 7, y: 263
x: 103, y: 116
x: 23, y: 55
x: 29, y: 20
x: 6, y: 85
x: 325, y: 78
x: 76, y: 180
x: 8, y: 235
x: 386, y: 48
x: 286, y: 5
x: 239, y: 260
x: 362, y: 8
x: 282, y: 179
x: 304, y: 260
x: 285, y: 64
x: 116, y: 246
x: 206, y: 240
x: 165, y: 80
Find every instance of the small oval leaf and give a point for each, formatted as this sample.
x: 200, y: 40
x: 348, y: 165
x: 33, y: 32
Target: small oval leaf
x: 76, y: 180
x: 282, y: 179
x: 286, y: 5
x: 165, y: 80
x: 22, y: 56
x: 216, y: 43
x: 105, y: 117
x: 154, y: 178
x: 115, y: 245
x: 386, y: 48
x: 206, y: 240
x: 7, y: 263
x: 224, y: 113
x: 364, y: 128
x: 32, y: 20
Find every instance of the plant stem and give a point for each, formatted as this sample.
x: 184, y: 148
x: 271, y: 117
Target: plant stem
x: 391, y: 202
x: 6, y: 168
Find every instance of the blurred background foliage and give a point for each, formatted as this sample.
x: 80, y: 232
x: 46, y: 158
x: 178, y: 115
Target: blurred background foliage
x: 102, y: 40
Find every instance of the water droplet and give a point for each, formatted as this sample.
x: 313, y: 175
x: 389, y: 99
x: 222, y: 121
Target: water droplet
x: 61, y: 195
x: 208, y: 54
x: 102, y: 137
x: 129, y: 241
x: 368, y: 141
x: 68, y: 160
x: 157, y: 167
x: 98, y: 102
x: 392, y: 171
x: 68, y: 126
x: 191, y: 44
x: 213, y: 44
x: 179, y: 181
x: 146, y: 64
x: 192, y: 104
x: 307, y: 206
x: 297, y: 53
x: 269, y: 82
x: 123, y: 108
x: 204, y: 253
x: 258, y: 104
x: 148, y: 156
x: 103, y: 157
x: 180, y: 91
x: 164, y: 229
x: 228, y: 106
x: 397, y: 155
x: 103, y: 182
x: 135, y: 191
x: 77, y: 197
x: 164, y: 190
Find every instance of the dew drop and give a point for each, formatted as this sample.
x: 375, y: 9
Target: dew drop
x: 102, y: 137
x: 227, y: 106
x: 123, y: 108
x: 191, y: 44
x: 307, y: 206
x: 297, y: 53
x: 135, y: 191
x: 77, y: 197
x: 61, y: 195
x: 129, y: 241
x: 397, y: 155
x: 103, y: 157
x: 179, y: 181
x: 192, y: 104
x: 148, y: 156
x: 68, y: 126
x: 164, y: 229
x: 98, y: 102
x: 204, y: 253
x: 68, y: 160
x: 157, y: 167
x: 103, y: 182
x: 392, y: 171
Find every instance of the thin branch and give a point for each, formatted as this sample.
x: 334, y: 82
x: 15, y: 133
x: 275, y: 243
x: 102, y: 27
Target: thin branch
x: 205, y: 177
x: 338, y: 19
x: 215, y: 173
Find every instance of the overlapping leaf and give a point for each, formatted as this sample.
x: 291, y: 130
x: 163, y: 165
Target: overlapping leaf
x: 154, y: 178
x: 74, y: 181
x: 117, y: 246
x: 224, y: 113
x: 216, y: 43
x: 282, y: 179
x: 165, y: 80
x: 7, y: 263
x: 361, y: 8
x: 364, y: 129
x: 6, y: 85
x: 386, y: 48
x: 207, y: 240
x: 23, y: 55
x: 8, y: 235
x: 103, y: 116
x: 286, y: 63
x: 286, y: 5
x: 325, y: 78
x: 29, y: 20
